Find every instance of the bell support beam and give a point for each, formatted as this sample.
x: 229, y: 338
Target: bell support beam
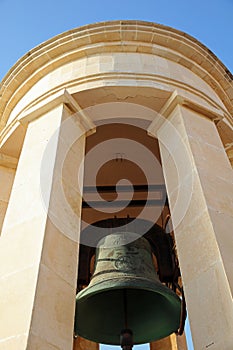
x: 39, y: 241
x: 199, y: 178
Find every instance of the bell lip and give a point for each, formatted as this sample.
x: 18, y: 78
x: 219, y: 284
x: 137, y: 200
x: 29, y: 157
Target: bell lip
x: 131, y: 283
x: 126, y: 282
x: 103, y: 286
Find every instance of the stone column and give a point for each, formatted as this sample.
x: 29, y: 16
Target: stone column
x: 199, y: 181
x: 39, y: 242
x: 181, y: 342
x: 84, y: 344
x: 172, y: 342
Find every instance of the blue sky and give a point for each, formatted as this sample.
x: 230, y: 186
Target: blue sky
x: 25, y: 24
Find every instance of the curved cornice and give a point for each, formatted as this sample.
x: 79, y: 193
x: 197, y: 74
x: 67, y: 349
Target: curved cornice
x: 115, y: 36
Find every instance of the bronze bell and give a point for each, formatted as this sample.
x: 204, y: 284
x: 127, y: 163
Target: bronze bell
x: 125, y: 294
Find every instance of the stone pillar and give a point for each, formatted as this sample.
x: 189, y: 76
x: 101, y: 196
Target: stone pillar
x: 199, y: 181
x: 172, y: 342
x: 84, y: 344
x: 181, y: 342
x: 39, y: 242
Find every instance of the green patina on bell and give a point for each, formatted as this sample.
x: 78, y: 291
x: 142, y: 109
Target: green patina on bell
x: 125, y: 293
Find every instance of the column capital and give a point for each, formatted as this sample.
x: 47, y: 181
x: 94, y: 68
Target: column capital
x: 62, y: 97
x: 177, y: 99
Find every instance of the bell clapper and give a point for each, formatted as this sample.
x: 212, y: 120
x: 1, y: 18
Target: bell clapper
x: 125, y: 308
x: 126, y: 339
